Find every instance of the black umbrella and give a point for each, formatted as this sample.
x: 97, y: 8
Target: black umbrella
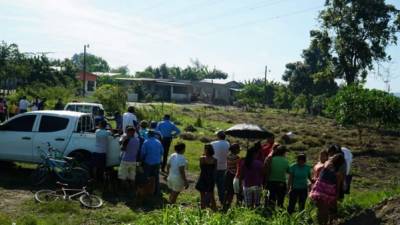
x: 248, y: 131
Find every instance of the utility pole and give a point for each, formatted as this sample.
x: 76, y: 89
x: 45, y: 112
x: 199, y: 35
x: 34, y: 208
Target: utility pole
x: 265, y: 85
x: 84, y: 69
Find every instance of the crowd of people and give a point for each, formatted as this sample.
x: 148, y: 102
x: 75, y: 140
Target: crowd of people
x: 263, y: 175
x: 8, y: 110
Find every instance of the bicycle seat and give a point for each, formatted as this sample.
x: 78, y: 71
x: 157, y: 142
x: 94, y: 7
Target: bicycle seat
x: 68, y: 159
x: 62, y: 184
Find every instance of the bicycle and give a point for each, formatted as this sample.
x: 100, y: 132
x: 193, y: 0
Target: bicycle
x: 85, y: 198
x: 64, y: 168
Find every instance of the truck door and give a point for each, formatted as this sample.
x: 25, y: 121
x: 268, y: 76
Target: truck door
x: 53, y: 129
x: 16, y: 137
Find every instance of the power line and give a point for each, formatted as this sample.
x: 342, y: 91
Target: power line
x: 191, y: 8
x: 236, y: 11
x: 249, y: 23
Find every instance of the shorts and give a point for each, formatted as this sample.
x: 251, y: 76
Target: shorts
x: 176, y: 183
x: 98, y: 160
x: 252, y: 195
x: 127, y: 170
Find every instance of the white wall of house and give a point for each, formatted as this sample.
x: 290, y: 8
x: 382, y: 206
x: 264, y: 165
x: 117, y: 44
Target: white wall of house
x: 133, y: 97
x: 180, y: 97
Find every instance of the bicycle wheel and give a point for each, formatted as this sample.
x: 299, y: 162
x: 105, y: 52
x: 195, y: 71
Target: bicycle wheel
x: 44, y: 196
x: 91, y: 201
x: 74, y: 176
x: 40, y: 175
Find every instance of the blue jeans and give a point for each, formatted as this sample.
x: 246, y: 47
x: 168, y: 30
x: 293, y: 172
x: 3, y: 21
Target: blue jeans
x: 220, y: 182
x: 153, y: 171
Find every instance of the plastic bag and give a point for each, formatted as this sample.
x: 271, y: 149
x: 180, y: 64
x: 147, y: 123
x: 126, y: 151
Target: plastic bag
x: 236, y: 185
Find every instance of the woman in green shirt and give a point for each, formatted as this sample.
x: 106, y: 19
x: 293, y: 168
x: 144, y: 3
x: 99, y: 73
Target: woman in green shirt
x: 299, y: 175
x: 277, y: 167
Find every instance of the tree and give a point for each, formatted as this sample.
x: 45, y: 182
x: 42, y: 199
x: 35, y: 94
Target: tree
x: 93, y: 63
x: 195, y: 72
x: 283, y: 98
x: 13, y: 64
x: 314, y: 75
x: 360, y: 31
x: 113, y: 97
x: 22, y: 70
x: 123, y: 70
x: 252, y: 94
x: 359, y: 107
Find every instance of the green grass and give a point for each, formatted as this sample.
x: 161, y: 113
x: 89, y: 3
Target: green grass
x: 62, y: 212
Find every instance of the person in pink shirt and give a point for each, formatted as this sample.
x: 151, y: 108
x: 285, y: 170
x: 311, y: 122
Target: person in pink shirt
x: 323, y: 157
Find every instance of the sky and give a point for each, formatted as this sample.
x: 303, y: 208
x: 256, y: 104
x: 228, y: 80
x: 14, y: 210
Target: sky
x: 236, y: 36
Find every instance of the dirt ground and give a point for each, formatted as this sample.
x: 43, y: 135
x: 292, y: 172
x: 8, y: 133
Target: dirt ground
x: 385, y: 213
x: 13, y: 199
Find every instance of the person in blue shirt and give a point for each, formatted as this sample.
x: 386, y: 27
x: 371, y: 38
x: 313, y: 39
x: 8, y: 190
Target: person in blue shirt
x: 99, y: 118
x: 151, y: 153
x: 168, y: 130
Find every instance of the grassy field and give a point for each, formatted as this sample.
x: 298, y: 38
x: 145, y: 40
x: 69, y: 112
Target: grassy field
x: 376, y: 169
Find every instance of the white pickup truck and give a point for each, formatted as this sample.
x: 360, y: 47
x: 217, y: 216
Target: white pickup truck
x: 70, y: 132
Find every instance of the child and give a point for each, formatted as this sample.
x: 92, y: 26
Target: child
x: 130, y: 149
x: 99, y: 156
x: 176, y: 165
x: 206, y: 182
x: 232, y: 162
x: 323, y: 157
x: 325, y: 191
x: 299, y: 174
x: 143, y: 129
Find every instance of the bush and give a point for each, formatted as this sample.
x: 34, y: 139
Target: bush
x: 298, y: 147
x: 357, y: 106
x: 190, y: 128
x: 189, y: 136
x: 199, y: 122
x: 206, y: 139
x: 112, y: 97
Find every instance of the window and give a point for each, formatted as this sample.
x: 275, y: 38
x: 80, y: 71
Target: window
x: 52, y: 124
x: 180, y: 90
x: 71, y: 108
x: 85, y: 124
x: 22, y: 124
x: 90, y: 85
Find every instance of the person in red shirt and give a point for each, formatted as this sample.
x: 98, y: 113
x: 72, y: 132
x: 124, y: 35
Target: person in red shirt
x: 266, y: 149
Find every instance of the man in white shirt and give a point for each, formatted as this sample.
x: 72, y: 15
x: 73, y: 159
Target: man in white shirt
x: 221, y: 149
x: 23, y: 105
x: 129, y: 119
x: 348, y: 157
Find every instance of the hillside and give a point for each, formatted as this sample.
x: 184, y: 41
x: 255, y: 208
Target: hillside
x: 376, y: 170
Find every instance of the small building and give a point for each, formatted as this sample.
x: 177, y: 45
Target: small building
x: 216, y: 91
x: 159, y: 89
x: 90, y: 81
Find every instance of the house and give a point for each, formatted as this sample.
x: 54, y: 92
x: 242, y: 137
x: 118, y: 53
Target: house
x: 216, y: 91
x: 90, y: 81
x: 209, y: 91
x: 159, y: 89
